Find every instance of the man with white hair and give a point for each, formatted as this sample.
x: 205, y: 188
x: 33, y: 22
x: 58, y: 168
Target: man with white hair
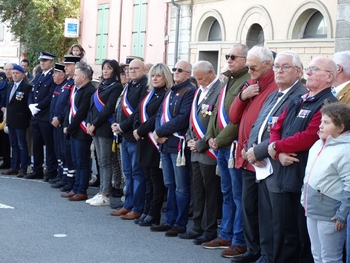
x: 244, y: 111
x: 342, y: 80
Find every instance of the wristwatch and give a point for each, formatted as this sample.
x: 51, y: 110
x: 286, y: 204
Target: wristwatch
x: 273, y: 145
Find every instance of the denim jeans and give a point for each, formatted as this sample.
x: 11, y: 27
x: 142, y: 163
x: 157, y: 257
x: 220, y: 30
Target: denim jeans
x: 19, y: 147
x: 326, y: 243
x: 134, y: 178
x: 231, y: 188
x: 103, y: 148
x: 177, y: 180
x: 81, y: 159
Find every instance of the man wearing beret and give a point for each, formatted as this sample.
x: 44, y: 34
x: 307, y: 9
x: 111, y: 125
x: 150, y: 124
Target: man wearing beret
x: 17, y: 120
x: 42, y: 130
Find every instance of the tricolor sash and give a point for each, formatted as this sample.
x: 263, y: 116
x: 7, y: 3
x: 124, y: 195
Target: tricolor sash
x: 73, y: 110
x: 144, y: 116
x: 99, y: 104
x: 223, y: 119
x: 197, y: 126
x: 126, y: 106
x: 166, y: 116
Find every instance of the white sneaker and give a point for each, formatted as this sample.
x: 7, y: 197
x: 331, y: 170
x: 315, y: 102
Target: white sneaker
x: 100, y: 201
x: 89, y: 200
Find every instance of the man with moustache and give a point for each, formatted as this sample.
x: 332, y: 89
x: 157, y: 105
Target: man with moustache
x: 290, y: 140
x: 287, y: 68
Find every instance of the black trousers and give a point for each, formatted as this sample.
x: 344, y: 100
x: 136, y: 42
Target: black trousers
x: 270, y: 223
x: 42, y: 132
x: 5, y: 148
x: 250, y: 211
x: 207, y: 199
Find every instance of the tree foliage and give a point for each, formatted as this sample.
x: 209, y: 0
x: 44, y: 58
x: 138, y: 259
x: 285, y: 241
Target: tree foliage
x: 39, y: 24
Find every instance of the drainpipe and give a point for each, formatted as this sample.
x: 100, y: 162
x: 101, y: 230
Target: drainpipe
x: 176, y: 53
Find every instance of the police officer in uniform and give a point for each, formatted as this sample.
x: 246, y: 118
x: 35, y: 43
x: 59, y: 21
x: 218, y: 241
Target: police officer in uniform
x: 42, y: 130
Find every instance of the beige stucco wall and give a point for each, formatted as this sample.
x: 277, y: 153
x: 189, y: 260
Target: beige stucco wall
x: 277, y: 18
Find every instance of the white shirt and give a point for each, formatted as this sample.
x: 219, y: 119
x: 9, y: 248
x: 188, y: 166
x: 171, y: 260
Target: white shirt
x: 205, y: 90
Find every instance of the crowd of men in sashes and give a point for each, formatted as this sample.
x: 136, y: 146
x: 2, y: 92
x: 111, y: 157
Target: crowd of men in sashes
x: 237, y: 148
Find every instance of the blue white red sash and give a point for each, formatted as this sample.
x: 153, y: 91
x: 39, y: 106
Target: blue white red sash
x: 197, y: 126
x: 126, y: 106
x: 223, y: 119
x: 166, y: 116
x: 144, y: 116
x: 99, y: 104
x: 73, y: 110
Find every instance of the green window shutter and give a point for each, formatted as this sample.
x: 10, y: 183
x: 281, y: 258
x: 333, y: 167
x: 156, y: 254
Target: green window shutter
x: 102, y: 34
x: 139, y: 31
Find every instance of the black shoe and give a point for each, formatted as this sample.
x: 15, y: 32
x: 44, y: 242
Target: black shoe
x: 246, y: 257
x: 55, y: 180
x: 58, y: 184
x: 175, y: 231
x: 96, y: 183
x: 35, y: 175
x: 149, y: 221
x: 190, y: 234
x: 202, y: 239
x: 117, y: 205
x: 49, y: 177
x: 5, y: 166
x: 67, y: 188
x: 117, y: 192
x: 161, y: 228
x: 262, y: 259
x: 137, y: 220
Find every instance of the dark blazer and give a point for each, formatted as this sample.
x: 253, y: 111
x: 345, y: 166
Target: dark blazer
x: 109, y: 93
x: 260, y: 150
x: 43, y: 88
x: 147, y: 154
x: 17, y: 111
x: 202, y: 145
x: 82, y: 102
x: 136, y: 92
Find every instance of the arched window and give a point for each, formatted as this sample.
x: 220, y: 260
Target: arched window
x: 255, y: 36
x: 215, y: 32
x: 316, y: 26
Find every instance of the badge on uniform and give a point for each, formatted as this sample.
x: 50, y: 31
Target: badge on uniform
x: 19, y: 95
x: 207, y: 109
x: 303, y: 113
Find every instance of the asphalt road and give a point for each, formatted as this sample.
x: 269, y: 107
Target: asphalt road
x: 37, y: 213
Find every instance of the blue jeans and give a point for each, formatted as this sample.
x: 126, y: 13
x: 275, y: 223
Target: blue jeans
x: 19, y: 147
x: 177, y: 180
x: 81, y: 159
x: 231, y: 188
x: 134, y: 178
x: 347, y: 245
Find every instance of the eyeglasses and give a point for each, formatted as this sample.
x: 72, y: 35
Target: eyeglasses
x: 233, y: 57
x: 284, y: 68
x: 314, y: 70
x: 251, y: 68
x: 134, y: 69
x: 179, y: 70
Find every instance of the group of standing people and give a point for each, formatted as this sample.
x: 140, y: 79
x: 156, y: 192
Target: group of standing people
x: 262, y: 151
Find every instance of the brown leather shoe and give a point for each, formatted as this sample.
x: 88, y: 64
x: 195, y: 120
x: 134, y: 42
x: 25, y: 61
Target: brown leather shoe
x: 67, y: 195
x: 10, y: 172
x: 21, y: 173
x: 121, y: 211
x: 78, y: 197
x: 131, y: 215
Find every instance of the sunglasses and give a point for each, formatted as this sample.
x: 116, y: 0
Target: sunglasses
x: 251, y: 68
x: 179, y: 70
x: 233, y: 57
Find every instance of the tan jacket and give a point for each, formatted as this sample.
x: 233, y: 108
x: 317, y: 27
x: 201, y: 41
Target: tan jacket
x: 344, y: 95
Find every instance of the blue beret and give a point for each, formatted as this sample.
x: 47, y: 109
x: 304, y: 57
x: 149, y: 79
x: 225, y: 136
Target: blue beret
x: 19, y: 68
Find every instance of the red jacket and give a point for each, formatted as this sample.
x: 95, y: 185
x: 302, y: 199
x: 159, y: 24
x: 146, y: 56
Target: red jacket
x: 246, y: 112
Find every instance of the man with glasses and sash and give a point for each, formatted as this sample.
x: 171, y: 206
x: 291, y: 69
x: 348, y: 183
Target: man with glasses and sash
x: 220, y: 136
x: 171, y: 125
